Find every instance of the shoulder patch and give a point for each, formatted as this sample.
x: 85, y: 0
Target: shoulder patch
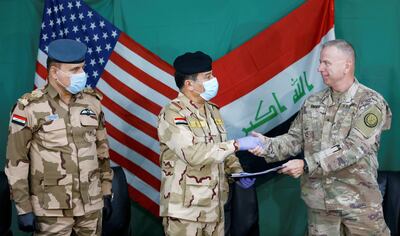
x: 93, y: 92
x: 369, y: 121
x: 19, y: 120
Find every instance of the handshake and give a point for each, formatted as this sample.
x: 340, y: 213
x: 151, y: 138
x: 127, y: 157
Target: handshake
x: 249, y: 142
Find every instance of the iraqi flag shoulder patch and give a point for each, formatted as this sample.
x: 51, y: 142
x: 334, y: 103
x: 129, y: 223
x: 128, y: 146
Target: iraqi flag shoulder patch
x: 19, y: 120
x: 180, y: 121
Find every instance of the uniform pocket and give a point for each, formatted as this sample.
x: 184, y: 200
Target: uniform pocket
x: 199, y: 191
x: 89, y: 125
x: 55, y: 133
x: 57, y: 192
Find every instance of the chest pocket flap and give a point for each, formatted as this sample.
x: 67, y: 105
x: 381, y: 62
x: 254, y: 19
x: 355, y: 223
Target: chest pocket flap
x: 87, y: 121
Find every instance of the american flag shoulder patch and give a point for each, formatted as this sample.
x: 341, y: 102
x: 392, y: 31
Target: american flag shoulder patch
x: 180, y: 121
x: 19, y: 120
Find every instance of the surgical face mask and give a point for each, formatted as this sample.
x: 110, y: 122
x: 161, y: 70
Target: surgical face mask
x: 210, y: 89
x: 77, y: 82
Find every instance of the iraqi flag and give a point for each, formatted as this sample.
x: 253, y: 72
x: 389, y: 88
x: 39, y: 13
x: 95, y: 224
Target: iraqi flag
x: 265, y: 81
x: 262, y: 83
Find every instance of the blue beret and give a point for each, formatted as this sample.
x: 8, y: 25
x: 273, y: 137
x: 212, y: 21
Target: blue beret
x: 193, y: 63
x: 67, y: 51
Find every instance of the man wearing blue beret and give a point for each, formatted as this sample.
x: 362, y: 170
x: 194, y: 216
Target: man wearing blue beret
x: 58, y: 164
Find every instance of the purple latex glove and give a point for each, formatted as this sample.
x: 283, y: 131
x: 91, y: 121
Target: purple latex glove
x: 246, y: 182
x: 248, y: 142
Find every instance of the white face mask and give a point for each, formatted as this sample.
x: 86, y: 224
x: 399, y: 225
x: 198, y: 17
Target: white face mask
x: 77, y: 82
x: 210, y: 89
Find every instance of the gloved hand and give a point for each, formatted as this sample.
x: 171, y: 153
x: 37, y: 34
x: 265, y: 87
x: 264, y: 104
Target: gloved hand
x: 107, y: 209
x: 248, y: 142
x: 27, y: 222
x: 246, y: 182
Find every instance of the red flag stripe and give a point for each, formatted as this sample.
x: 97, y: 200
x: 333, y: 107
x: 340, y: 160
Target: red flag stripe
x: 144, y: 201
x: 142, y: 76
x: 131, y: 94
x: 255, y: 62
x: 135, y: 169
x: 129, y: 117
x: 41, y: 70
x: 132, y: 144
x: 146, y: 54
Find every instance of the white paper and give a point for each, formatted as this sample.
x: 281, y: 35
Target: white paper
x: 246, y: 174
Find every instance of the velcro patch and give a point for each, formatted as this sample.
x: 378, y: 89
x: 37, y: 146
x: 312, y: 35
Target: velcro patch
x: 180, y: 121
x: 369, y: 121
x: 19, y: 120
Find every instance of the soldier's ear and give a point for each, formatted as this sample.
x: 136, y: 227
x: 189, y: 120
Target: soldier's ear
x: 189, y: 84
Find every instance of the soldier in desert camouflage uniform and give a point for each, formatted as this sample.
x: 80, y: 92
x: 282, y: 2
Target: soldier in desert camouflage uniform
x: 339, y: 131
x: 57, y: 153
x: 195, y: 155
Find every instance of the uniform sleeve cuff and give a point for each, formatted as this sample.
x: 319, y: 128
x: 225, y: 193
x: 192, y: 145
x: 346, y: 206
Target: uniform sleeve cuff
x: 23, y: 207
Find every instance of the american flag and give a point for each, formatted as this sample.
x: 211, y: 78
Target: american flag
x: 135, y: 83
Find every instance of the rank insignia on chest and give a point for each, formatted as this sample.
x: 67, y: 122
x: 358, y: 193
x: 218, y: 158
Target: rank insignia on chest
x: 88, y: 112
x: 180, y: 121
x: 197, y: 124
x: 19, y: 120
x: 219, y: 121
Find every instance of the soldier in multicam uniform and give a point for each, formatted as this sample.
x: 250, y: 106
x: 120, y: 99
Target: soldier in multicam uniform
x: 339, y: 130
x: 195, y: 155
x: 57, y: 153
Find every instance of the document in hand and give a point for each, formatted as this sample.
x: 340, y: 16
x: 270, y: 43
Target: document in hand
x: 246, y: 174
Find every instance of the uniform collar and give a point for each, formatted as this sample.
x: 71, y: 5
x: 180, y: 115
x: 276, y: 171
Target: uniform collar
x: 190, y: 104
x: 347, y: 97
x: 49, y: 89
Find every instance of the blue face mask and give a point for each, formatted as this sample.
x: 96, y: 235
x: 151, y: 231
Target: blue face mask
x: 210, y: 89
x: 77, y: 83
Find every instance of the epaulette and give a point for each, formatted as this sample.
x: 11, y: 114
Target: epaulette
x: 213, y: 104
x: 177, y: 105
x: 93, y: 92
x: 29, y: 97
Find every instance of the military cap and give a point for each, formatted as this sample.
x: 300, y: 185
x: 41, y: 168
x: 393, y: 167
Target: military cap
x: 193, y: 63
x: 67, y: 51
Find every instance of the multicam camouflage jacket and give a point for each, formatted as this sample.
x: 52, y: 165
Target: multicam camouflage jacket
x: 57, y: 154
x: 195, y: 158
x: 340, y: 138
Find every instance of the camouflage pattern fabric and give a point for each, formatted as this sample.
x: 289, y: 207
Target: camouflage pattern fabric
x: 179, y: 227
x: 195, y: 158
x: 87, y: 225
x: 57, y: 154
x: 367, y: 222
x: 340, y: 136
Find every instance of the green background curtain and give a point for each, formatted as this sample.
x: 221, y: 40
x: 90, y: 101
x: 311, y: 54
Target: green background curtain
x: 169, y: 28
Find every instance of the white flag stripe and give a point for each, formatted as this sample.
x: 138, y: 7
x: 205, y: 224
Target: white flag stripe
x: 239, y: 114
x: 152, y: 194
x: 127, y: 104
x: 42, y: 58
x: 39, y: 81
x: 136, y: 84
x: 142, y: 187
x: 134, y: 157
x: 131, y: 131
x: 145, y: 66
